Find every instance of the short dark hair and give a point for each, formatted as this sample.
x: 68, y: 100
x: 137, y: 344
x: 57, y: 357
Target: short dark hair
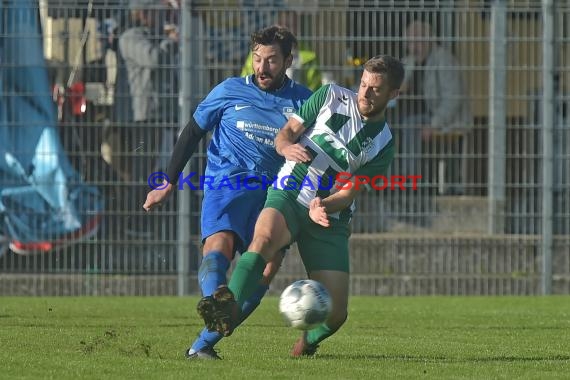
x: 274, y: 35
x: 389, y: 67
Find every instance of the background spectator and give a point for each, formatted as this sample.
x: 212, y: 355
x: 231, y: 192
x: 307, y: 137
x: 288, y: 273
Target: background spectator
x: 433, y: 105
x: 149, y: 50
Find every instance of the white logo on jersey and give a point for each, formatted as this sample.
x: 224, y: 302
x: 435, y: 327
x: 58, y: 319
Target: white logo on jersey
x: 288, y: 111
x: 367, y: 145
x: 237, y: 108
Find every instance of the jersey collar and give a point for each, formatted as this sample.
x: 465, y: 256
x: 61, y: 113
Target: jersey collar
x: 377, y: 124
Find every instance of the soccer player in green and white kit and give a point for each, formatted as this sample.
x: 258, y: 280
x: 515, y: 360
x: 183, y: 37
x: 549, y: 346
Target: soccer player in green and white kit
x: 335, y: 131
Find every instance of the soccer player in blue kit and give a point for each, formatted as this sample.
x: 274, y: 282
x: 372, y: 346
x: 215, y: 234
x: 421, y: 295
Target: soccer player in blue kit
x: 335, y: 131
x: 244, y: 114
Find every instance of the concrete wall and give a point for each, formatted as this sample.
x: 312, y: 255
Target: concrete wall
x: 383, y: 264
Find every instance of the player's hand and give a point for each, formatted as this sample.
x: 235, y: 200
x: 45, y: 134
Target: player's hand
x: 318, y: 212
x: 296, y: 153
x: 155, y: 197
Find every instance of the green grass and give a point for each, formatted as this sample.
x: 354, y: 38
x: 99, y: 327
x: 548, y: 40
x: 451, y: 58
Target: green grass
x: 384, y: 338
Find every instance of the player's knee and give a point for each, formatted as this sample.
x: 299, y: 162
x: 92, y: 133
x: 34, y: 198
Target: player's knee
x: 262, y: 244
x: 222, y: 242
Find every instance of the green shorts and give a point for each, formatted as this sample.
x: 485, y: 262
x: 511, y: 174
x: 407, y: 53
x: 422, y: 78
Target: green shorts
x: 321, y: 248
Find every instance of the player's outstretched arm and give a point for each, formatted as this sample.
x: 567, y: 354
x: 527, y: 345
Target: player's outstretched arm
x: 185, y: 146
x: 155, y: 197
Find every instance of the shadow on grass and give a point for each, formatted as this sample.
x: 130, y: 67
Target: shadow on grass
x: 505, y: 328
x: 443, y: 359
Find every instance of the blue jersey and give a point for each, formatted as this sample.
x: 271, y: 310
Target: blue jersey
x: 245, y: 120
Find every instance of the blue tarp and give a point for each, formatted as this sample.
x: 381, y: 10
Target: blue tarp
x: 43, y: 201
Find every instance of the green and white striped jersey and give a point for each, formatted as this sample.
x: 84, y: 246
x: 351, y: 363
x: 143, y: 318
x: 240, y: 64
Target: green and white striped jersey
x: 340, y: 142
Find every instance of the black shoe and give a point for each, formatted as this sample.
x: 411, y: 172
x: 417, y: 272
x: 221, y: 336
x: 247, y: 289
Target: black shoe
x: 219, y: 311
x: 207, y: 353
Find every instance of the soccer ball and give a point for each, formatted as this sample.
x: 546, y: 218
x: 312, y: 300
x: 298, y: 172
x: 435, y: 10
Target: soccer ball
x: 305, y: 304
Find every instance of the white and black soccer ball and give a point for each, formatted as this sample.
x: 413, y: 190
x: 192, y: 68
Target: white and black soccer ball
x: 305, y: 304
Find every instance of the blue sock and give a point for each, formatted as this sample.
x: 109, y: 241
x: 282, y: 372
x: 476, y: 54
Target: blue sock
x: 253, y: 302
x: 212, y: 272
x: 210, y: 338
x: 206, y: 339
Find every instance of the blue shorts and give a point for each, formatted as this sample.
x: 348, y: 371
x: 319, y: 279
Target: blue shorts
x: 232, y: 210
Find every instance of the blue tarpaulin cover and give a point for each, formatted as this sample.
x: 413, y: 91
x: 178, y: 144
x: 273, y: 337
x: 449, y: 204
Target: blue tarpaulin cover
x: 43, y: 201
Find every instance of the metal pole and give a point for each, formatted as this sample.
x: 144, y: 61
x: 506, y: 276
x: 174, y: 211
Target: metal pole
x: 185, y: 103
x: 497, y: 116
x: 548, y: 110
x: 447, y: 15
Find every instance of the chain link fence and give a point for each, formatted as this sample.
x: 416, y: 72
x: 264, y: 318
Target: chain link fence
x: 475, y: 224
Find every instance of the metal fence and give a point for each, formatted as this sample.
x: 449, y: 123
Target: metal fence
x: 491, y: 214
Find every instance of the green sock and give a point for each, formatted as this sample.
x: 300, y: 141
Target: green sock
x: 319, y: 333
x: 246, y: 275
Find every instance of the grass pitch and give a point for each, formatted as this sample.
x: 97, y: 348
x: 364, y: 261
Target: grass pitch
x: 384, y: 338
